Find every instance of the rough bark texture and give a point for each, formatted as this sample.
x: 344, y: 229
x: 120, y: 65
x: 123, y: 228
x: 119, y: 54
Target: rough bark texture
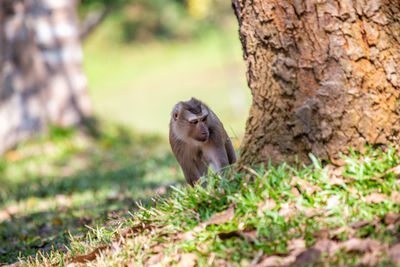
x: 41, y: 79
x: 324, y: 75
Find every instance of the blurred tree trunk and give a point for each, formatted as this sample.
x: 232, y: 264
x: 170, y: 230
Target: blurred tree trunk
x: 324, y: 75
x: 41, y: 79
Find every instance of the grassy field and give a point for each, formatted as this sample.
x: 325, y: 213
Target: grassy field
x: 117, y: 199
x: 69, y: 182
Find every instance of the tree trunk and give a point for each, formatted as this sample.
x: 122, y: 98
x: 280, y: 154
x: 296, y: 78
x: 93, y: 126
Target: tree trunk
x: 325, y: 76
x: 41, y: 79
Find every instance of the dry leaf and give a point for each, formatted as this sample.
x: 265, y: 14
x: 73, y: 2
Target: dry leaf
x: 349, y: 232
x: 295, y: 191
x: 361, y: 245
x: 296, y: 246
x: 333, y: 202
x: 375, y: 198
x: 287, y: 210
x: 155, y: 259
x: 269, y: 204
x: 395, y: 170
x: 88, y: 257
x: 391, y: 217
x: 311, y: 212
x: 269, y: 261
x: 305, y: 186
x: 395, y: 196
x: 326, y: 246
x: 187, y: 260
x: 394, y: 254
x: 135, y: 229
x: 250, y: 235
x: 353, y: 190
x: 360, y: 224
x: 221, y: 217
x: 186, y: 236
x: 308, y: 256
x: 336, y: 181
x: 369, y: 259
x: 322, y: 233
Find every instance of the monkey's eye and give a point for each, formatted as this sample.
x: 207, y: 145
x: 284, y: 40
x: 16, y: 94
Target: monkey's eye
x: 204, y: 119
x: 194, y: 121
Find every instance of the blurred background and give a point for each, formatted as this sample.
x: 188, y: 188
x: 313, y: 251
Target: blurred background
x: 140, y: 57
x: 146, y: 55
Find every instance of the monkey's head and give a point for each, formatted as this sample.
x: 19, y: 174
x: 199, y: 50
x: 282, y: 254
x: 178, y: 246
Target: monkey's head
x: 190, y: 120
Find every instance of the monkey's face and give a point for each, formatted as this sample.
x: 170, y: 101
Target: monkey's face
x: 193, y: 126
x: 200, y: 130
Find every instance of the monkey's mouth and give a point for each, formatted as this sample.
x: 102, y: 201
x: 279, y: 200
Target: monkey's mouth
x: 202, y: 137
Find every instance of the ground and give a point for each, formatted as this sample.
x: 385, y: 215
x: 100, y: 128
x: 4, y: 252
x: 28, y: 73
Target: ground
x: 117, y: 198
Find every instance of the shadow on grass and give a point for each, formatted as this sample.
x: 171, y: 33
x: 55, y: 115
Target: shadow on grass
x: 56, y: 186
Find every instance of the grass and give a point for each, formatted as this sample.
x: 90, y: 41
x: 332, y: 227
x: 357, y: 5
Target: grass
x: 81, y: 208
x: 53, y: 187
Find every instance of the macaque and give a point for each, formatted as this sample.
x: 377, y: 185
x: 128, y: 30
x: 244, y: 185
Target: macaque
x: 198, y: 140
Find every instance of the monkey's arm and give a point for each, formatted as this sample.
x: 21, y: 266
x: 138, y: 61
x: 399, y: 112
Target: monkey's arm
x: 191, y: 174
x: 230, y: 151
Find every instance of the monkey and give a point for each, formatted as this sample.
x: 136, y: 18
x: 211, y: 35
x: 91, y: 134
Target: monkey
x: 198, y: 140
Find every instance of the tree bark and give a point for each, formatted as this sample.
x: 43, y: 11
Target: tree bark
x: 41, y: 77
x: 325, y: 76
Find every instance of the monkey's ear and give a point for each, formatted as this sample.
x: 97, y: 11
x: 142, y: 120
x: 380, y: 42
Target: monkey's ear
x: 175, y: 115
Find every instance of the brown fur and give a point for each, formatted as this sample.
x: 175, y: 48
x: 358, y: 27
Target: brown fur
x: 201, y: 145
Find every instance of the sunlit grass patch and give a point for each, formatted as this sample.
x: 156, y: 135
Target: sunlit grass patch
x: 315, y: 215
x: 58, y: 185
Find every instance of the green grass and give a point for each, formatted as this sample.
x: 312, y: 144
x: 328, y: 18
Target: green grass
x: 77, y: 202
x: 55, y: 186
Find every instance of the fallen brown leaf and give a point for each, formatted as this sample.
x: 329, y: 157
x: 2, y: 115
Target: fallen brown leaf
x: 322, y: 233
x: 287, y: 210
x: 311, y: 212
x: 395, y: 196
x: 88, y: 257
x: 269, y: 261
x: 308, y: 256
x: 186, y: 236
x: 304, y: 185
x: 361, y: 245
x: 296, y: 246
x: 250, y: 235
x: 187, y: 260
x: 391, y: 217
x: 375, y: 198
x: 360, y: 224
x: 135, y: 229
x: 394, y: 253
x: 332, y: 202
x: 344, y: 230
x: 369, y: 259
x: 154, y: 259
x: 221, y: 217
x: 395, y: 170
x: 326, y: 246
x: 268, y: 203
x: 295, y: 191
x: 336, y: 181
